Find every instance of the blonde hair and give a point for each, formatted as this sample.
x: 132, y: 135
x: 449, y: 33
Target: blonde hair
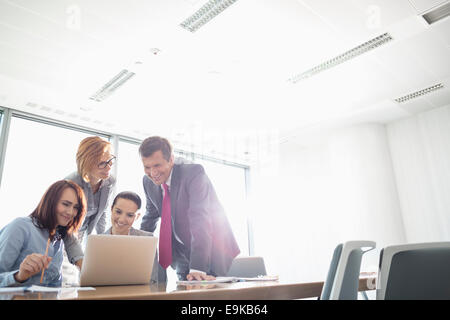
x: 89, y: 154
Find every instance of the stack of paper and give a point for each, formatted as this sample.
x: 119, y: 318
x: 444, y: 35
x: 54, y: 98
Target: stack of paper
x: 228, y: 279
x: 35, y: 288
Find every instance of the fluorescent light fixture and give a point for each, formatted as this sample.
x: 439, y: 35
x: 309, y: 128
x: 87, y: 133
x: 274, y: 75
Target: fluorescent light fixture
x: 363, y: 48
x: 122, y: 77
x: 208, y: 11
x: 419, y: 93
x: 437, y: 14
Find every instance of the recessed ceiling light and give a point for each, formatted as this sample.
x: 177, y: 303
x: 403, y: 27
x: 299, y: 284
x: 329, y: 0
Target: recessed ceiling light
x: 419, y: 93
x: 112, y: 85
x: 362, y: 48
x: 437, y: 14
x: 208, y: 11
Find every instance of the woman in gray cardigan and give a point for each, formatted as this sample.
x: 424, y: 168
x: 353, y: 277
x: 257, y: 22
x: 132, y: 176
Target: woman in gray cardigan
x: 94, y: 161
x: 123, y: 214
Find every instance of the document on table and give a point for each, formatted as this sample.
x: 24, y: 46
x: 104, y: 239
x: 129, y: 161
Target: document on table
x: 228, y: 280
x: 35, y: 288
x: 12, y: 289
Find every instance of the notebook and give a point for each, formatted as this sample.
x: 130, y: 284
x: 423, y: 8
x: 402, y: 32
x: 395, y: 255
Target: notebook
x: 118, y: 260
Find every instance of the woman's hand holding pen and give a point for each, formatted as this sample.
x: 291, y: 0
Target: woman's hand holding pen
x: 31, y: 265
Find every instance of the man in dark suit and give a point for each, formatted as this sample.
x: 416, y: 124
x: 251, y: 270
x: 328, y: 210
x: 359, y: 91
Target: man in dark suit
x: 195, y: 236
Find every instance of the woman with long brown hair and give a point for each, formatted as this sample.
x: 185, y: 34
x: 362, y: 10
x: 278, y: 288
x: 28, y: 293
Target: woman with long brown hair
x: 24, y: 241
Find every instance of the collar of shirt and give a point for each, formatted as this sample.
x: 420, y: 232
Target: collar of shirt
x: 103, y: 183
x: 111, y: 230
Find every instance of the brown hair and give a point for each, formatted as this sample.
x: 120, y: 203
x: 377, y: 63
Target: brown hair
x: 152, y: 144
x: 44, y: 216
x: 129, y: 195
x: 89, y: 153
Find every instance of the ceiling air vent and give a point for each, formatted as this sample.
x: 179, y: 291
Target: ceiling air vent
x: 419, y: 93
x: 112, y: 85
x: 363, y: 48
x: 31, y: 104
x: 437, y: 13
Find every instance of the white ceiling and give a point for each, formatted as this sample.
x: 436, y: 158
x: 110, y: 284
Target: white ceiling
x: 224, y: 89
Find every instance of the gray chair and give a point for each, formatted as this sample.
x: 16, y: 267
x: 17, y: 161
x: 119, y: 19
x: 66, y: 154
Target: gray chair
x: 418, y: 271
x: 247, y: 267
x: 342, y: 281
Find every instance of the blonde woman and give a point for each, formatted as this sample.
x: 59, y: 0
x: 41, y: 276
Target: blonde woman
x: 94, y: 162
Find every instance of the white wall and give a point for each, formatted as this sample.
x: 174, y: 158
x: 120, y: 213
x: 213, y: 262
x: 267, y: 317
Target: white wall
x: 420, y: 148
x: 314, y: 197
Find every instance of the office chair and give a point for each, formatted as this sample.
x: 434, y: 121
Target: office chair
x: 247, y: 267
x: 343, y: 275
x: 418, y: 271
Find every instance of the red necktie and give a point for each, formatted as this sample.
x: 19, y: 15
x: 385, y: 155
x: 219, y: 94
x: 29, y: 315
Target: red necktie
x: 165, y: 232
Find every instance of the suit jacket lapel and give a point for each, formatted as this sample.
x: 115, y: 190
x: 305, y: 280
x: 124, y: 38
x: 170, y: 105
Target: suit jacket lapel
x: 158, y: 198
x: 174, y: 188
x: 155, y: 193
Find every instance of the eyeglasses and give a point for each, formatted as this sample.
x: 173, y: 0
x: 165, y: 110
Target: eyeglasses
x: 103, y: 164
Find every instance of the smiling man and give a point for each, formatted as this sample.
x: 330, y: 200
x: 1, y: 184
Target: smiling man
x: 195, y: 236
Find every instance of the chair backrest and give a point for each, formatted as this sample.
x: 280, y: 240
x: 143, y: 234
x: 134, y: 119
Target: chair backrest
x: 343, y: 275
x: 414, y: 271
x: 247, y: 267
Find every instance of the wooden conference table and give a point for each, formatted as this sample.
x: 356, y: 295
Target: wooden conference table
x: 252, y: 290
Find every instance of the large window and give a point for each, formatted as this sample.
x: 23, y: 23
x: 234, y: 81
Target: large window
x: 130, y: 172
x: 37, y: 154
x: 2, y: 142
x: 229, y: 183
x: 1, y: 137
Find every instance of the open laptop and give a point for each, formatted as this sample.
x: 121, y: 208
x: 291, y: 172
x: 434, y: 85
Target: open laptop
x: 118, y: 260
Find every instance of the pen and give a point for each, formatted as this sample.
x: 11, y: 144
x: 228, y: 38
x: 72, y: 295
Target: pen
x: 46, y: 252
